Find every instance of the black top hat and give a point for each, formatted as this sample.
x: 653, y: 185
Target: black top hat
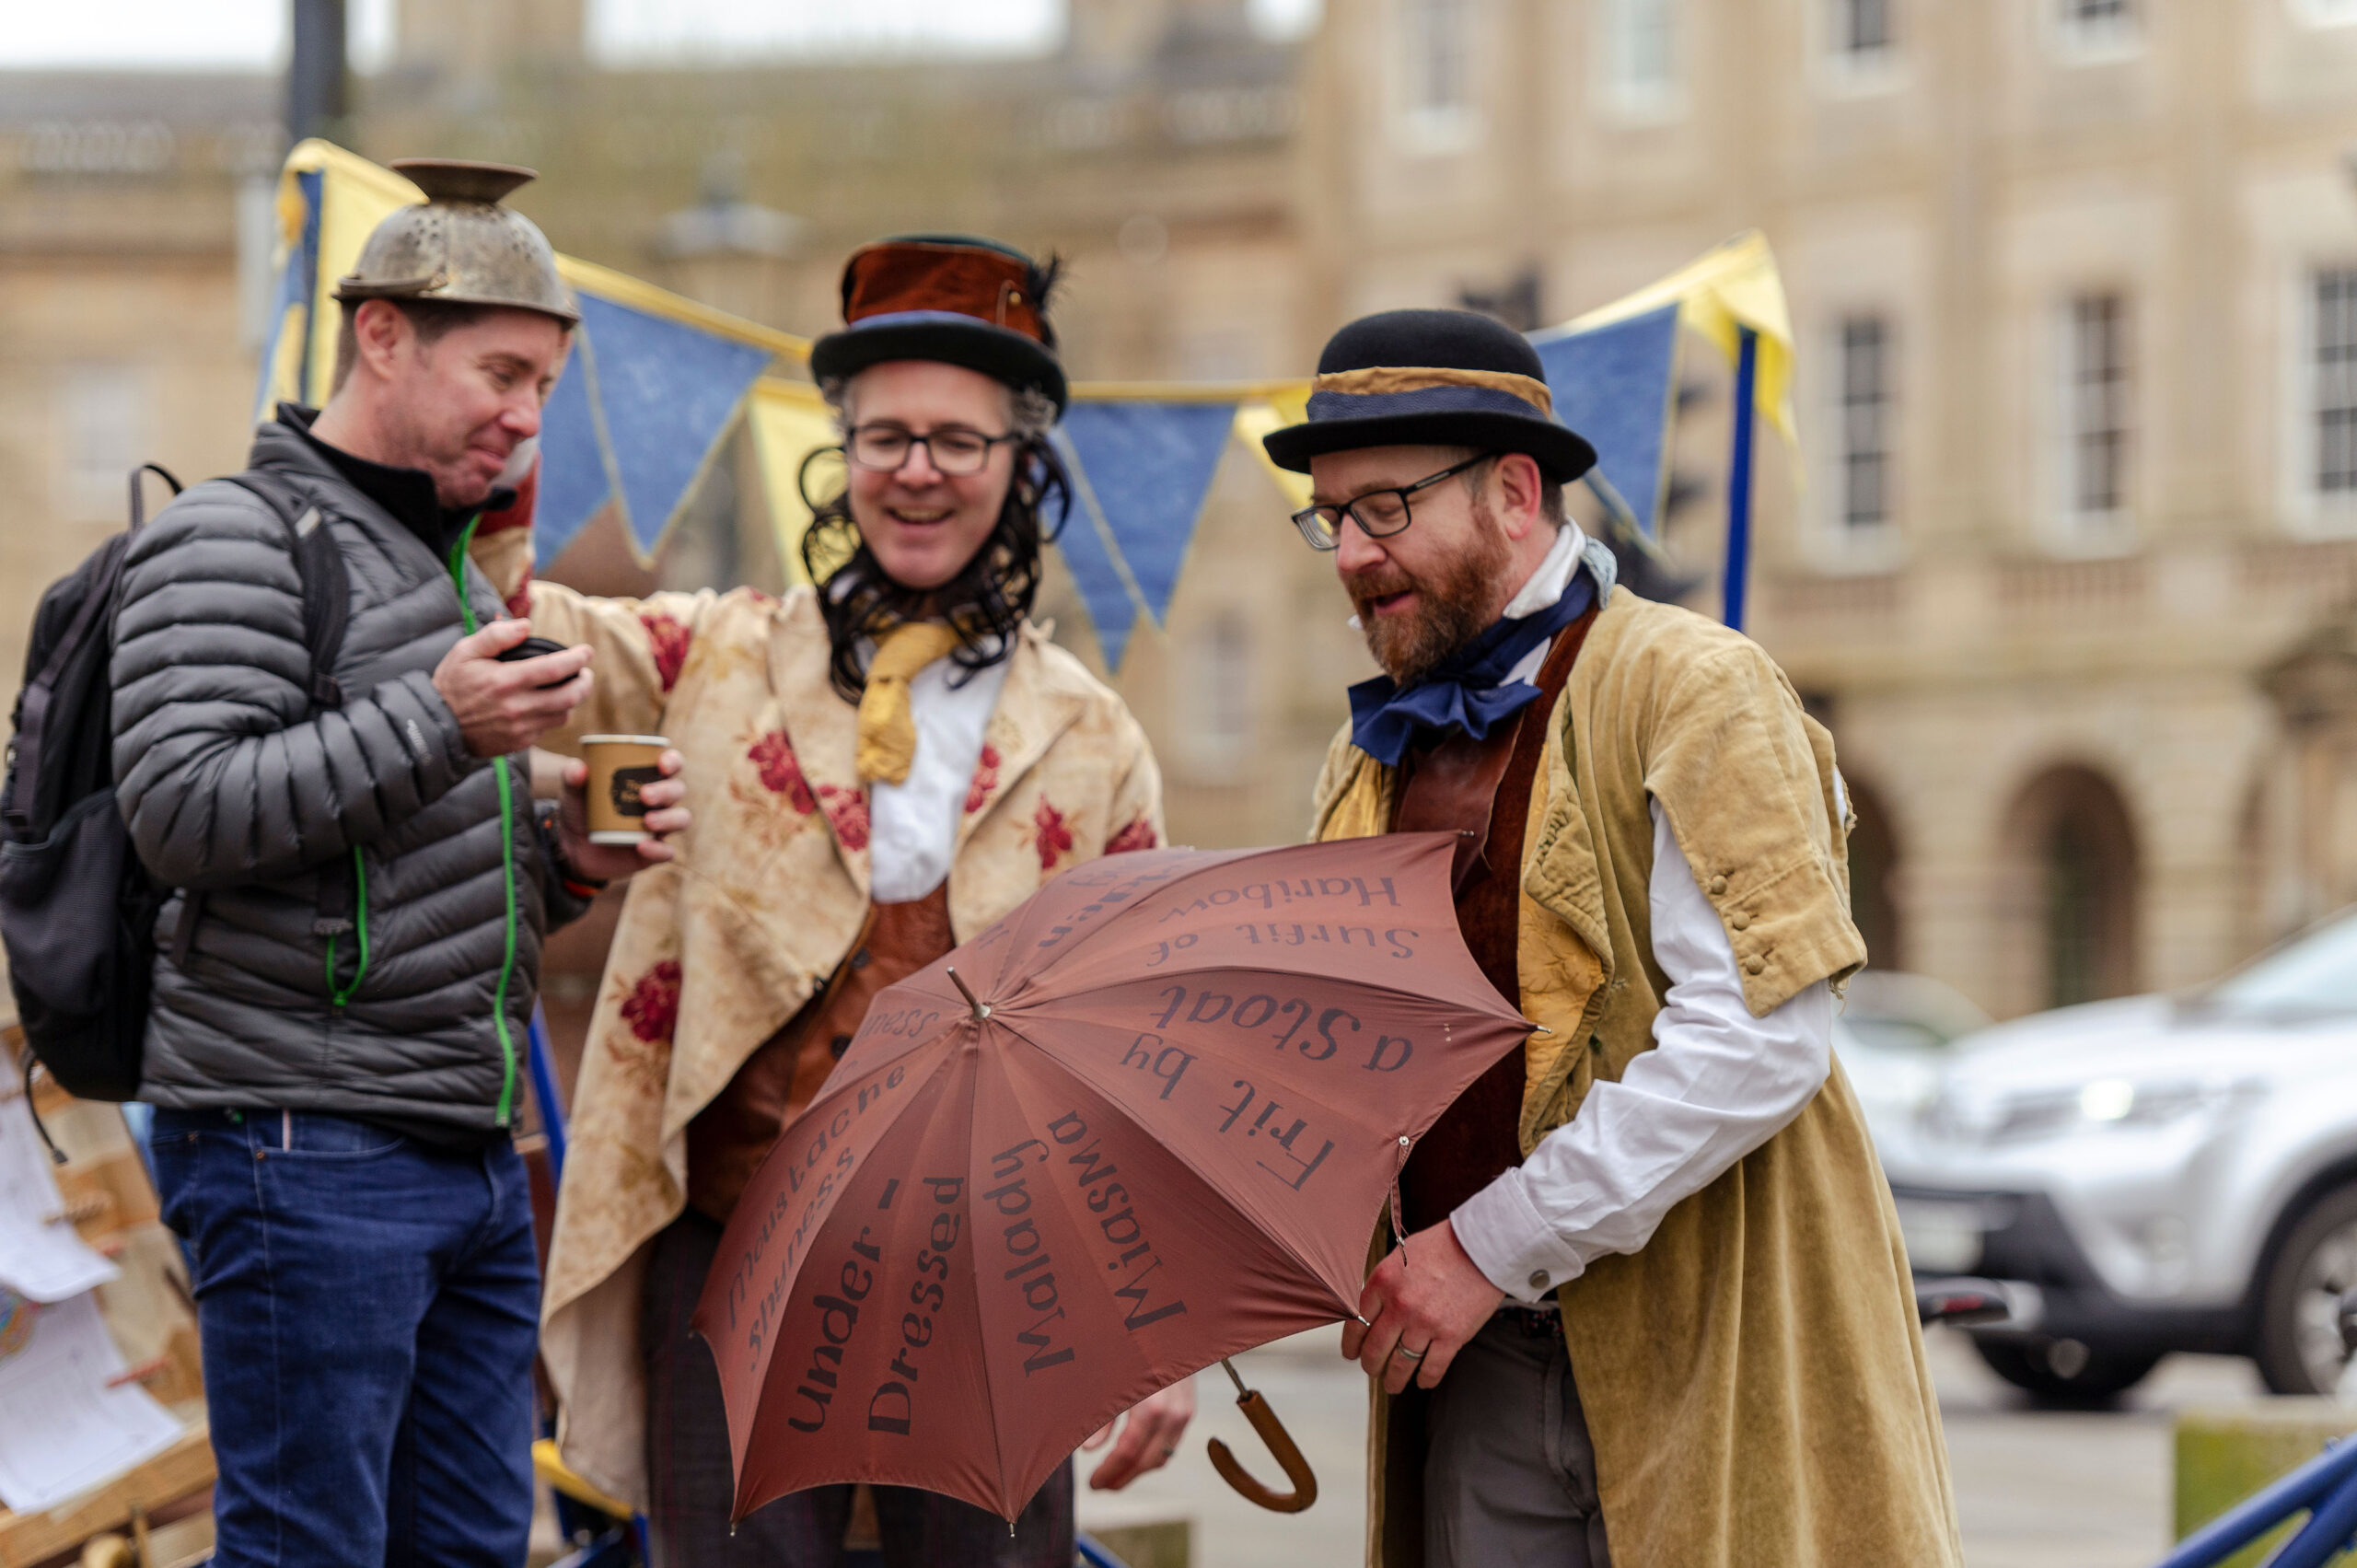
x: 1432, y: 378
x: 947, y: 296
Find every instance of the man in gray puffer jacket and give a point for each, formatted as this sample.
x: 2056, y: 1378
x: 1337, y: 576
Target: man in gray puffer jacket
x: 339, y: 1021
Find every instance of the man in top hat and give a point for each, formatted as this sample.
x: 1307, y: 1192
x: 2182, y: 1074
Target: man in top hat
x: 1652, y: 1308
x: 882, y: 767
x: 347, y: 972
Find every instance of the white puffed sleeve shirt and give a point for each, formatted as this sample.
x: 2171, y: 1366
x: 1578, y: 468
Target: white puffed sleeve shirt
x: 1717, y: 1085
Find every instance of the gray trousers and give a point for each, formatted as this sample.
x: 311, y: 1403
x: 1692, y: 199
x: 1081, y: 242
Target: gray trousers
x: 1509, y: 1473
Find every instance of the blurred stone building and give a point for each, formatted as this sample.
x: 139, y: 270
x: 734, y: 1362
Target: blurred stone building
x: 2074, y: 284
x: 1155, y: 151
x: 135, y: 227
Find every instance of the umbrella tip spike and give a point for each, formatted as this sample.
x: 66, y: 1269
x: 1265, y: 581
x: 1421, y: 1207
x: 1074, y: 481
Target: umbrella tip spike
x: 982, y: 1009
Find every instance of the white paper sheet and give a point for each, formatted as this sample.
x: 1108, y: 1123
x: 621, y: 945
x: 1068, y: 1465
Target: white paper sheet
x: 40, y: 1257
x: 61, y: 1429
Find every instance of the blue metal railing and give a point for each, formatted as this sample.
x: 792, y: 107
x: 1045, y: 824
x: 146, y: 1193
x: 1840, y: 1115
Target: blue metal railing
x: 2325, y: 1489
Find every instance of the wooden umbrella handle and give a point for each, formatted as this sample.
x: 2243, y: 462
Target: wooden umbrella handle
x: 1273, y: 1432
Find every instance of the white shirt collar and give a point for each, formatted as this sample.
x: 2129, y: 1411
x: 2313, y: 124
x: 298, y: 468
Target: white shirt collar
x: 1554, y: 575
x: 1546, y: 587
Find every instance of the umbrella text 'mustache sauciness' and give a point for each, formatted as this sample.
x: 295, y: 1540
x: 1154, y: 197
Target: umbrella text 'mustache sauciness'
x: 1147, y: 1120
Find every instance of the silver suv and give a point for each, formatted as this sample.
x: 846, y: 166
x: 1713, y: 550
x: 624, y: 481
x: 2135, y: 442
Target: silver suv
x: 2157, y: 1173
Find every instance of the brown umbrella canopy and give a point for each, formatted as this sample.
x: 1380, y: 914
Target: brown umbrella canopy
x: 1158, y: 1134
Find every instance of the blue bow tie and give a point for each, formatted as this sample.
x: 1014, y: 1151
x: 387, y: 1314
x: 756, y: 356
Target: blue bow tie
x: 1464, y: 692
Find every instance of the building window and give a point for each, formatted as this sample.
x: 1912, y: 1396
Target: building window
x: 2097, y: 30
x: 2097, y: 398
x: 1434, y: 93
x: 1639, y: 51
x: 2336, y: 382
x: 2071, y: 853
x: 2073, y: 916
x: 1215, y: 697
x: 103, y: 433
x: 1437, y: 66
x: 1861, y: 28
x: 1866, y: 425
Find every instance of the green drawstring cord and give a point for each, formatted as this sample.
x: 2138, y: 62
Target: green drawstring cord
x: 505, y: 1111
x: 337, y: 995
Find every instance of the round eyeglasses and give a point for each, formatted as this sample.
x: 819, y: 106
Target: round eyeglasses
x: 1380, y: 513
x: 952, y: 450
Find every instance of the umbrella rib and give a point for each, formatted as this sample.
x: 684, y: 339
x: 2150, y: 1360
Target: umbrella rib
x: 1259, y: 1223
x: 1384, y: 988
x: 990, y: 1387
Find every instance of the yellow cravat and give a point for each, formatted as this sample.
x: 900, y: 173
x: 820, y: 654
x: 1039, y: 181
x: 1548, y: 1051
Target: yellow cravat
x: 887, y: 730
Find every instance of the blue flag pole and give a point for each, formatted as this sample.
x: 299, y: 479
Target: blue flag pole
x: 1747, y: 374
x: 543, y: 1067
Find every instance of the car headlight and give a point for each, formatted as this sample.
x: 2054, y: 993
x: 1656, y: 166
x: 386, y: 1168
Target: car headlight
x: 1961, y: 1114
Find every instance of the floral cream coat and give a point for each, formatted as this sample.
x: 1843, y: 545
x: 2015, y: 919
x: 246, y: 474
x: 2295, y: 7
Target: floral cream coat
x: 717, y: 951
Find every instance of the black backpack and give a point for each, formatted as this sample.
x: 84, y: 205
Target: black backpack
x: 77, y: 910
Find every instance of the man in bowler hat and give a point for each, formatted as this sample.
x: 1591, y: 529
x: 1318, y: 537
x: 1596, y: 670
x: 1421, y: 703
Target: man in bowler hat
x: 1650, y: 1306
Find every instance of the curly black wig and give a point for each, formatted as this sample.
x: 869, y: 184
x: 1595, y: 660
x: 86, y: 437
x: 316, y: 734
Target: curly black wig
x: 985, y: 603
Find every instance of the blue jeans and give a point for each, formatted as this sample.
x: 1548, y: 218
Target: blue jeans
x: 367, y: 1305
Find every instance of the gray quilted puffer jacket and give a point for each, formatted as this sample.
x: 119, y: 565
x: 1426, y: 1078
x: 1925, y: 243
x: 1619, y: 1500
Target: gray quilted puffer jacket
x: 372, y: 816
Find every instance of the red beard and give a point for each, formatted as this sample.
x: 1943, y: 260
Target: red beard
x: 1456, y: 605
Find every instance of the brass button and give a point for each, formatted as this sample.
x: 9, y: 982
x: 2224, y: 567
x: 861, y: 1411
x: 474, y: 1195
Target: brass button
x: 1754, y: 965
x: 1538, y: 1279
x: 1739, y: 921
x: 1718, y: 886
x: 840, y: 1044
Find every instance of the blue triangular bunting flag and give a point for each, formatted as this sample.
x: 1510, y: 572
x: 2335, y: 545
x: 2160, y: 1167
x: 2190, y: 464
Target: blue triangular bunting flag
x: 1140, y: 470
x: 1612, y: 385
x: 642, y: 403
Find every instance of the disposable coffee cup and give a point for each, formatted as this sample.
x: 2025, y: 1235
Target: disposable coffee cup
x: 620, y: 767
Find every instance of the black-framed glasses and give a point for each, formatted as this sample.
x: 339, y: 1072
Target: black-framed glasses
x: 1380, y: 513
x: 953, y: 449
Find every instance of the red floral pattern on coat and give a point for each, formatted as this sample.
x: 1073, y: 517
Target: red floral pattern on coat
x: 781, y: 770
x: 652, y: 1008
x: 847, y: 810
x: 669, y: 640
x: 985, y: 779
x: 1138, y: 835
x: 1052, y: 835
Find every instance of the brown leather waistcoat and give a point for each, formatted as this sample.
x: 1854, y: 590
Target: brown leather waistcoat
x: 728, y: 1139
x: 1482, y: 789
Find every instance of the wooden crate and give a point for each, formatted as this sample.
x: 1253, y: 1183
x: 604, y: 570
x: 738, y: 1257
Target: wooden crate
x: 107, y: 1190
